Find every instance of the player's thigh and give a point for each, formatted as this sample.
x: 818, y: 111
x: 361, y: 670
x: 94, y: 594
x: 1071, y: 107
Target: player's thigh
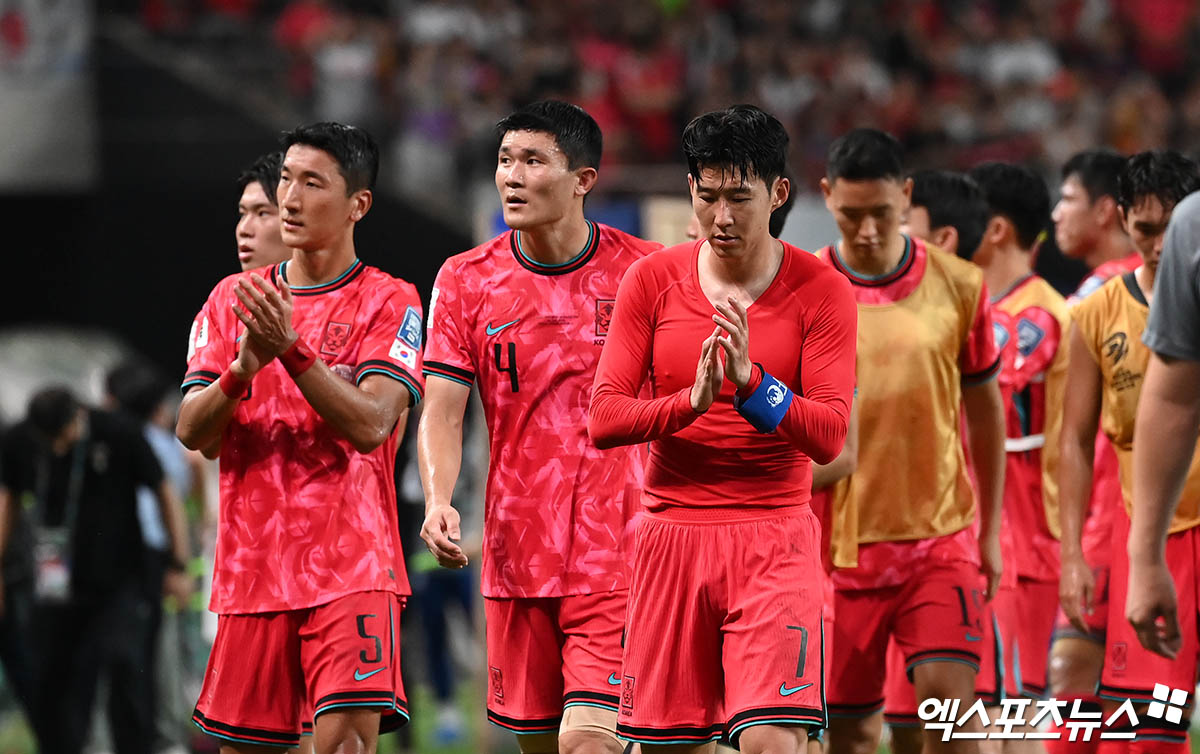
x: 348, y: 731
x: 907, y: 739
x: 706, y: 748
x: 350, y: 651
x: 581, y: 741
x: 525, y: 677
x: 538, y: 743
x: 945, y: 679
x: 773, y: 739
x: 592, y: 626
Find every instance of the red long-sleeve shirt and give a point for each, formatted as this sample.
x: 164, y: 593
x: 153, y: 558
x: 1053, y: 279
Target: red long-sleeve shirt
x: 802, y: 330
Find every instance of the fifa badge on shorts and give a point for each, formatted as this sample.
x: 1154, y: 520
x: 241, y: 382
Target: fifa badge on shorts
x: 497, y: 683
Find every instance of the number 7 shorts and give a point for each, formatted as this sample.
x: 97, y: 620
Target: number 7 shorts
x: 724, y: 628
x: 271, y: 673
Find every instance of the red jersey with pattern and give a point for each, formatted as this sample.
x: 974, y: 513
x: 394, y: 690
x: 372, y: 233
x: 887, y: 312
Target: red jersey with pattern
x: 802, y: 331
x: 1031, y: 321
x: 304, y: 517
x: 925, y: 329
x: 558, y: 512
x: 1105, y: 500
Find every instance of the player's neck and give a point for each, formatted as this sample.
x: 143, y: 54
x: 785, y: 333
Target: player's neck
x: 1006, y: 269
x: 557, y: 242
x: 873, y: 262
x: 1145, y: 280
x: 318, y: 267
x: 1112, y: 246
x: 751, y: 271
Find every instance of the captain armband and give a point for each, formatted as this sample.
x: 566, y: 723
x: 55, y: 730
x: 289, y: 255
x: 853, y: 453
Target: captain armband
x: 767, y: 405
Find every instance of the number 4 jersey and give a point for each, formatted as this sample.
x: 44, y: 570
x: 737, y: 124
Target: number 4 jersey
x: 558, y: 511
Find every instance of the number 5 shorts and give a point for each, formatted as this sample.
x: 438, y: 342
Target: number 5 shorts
x: 269, y: 673
x: 724, y: 628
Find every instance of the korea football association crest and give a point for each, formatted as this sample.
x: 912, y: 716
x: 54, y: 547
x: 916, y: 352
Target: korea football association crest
x: 604, y: 313
x: 337, y: 334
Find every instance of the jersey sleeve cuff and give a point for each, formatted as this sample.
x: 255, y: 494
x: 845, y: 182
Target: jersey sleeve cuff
x: 388, y: 369
x: 449, y: 372
x: 198, y: 378
x: 1165, y: 347
x: 971, y: 379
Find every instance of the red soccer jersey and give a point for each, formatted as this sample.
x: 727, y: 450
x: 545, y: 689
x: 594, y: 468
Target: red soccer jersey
x: 802, y: 331
x: 558, y: 512
x: 304, y: 517
x: 1030, y: 321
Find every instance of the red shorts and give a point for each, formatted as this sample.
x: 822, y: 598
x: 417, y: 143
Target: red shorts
x: 1130, y: 671
x: 724, y: 626
x: 1037, y: 603
x: 937, y: 616
x: 266, y: 667
x: 547, y: 654
x: 993, y: 683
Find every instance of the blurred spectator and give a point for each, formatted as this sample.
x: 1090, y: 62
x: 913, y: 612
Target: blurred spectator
x: 79, y: 470
x: 16, y: 597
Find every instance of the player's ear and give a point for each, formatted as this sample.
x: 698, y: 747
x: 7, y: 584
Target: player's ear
x: 1123, y: 217
x: 997, y: 228
x: 585, y: 181
x: 783, y: 187
x: 946, y: 238
x: 360, y: 204
x: 906, y: 188
x: 1106, y: 211
x: 827, y: 192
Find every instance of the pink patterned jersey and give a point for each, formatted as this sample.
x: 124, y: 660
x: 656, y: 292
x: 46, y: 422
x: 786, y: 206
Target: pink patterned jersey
x: 304, y: 517
x: 558, y: 512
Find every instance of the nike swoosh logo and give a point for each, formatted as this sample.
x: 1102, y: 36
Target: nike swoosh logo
x: 493, y: 330
x: 785, y: 691
x: 358, y: 676
x: 972, y: 637
x: 613, y: 680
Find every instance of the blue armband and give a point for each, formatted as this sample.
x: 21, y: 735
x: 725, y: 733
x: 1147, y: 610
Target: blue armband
x: 766, y: 406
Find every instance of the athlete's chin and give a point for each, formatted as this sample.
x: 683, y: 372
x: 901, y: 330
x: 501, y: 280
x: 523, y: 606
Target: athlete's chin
x: 520, y: 218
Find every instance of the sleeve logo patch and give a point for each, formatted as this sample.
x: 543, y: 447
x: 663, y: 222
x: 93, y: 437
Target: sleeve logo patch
x: 402, y: 353
x: 433, y: 297
x: 410, y: 330
x: 198, y: 338
x: 1029, y: 337
x: 1000, y: 333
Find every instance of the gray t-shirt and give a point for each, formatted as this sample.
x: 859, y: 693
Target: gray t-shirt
x: 1174, y: 327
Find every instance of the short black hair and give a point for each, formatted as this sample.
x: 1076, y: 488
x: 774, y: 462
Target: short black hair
x: 779, y: 216
x: 1098, y: 170
x: 742, y: 139
x: 137, y: 387
x: 575, y: 132
x: 51, y: 410
x: 865, y: 154
x: 955, y: 200
x: 265, y: 172
x: 1162, y: 173
x: 354, y: 150
x: 1018, y: 194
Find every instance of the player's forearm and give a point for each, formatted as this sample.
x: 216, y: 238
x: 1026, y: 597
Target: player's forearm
x: 816, y: 429
x: 364, y: 419
x: 203, y: 416
x: 615, y: 419
x: 1164, y: 441
x: 828, y: 474
x: 985, y: 418
x: 1075, y: 470
x: 439, y: 456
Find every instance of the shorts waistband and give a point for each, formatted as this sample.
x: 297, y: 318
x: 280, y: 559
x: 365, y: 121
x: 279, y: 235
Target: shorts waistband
x: 714, y: 515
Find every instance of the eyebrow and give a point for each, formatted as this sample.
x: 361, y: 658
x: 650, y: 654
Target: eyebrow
x: 305, y: 173
x: 526, y: 152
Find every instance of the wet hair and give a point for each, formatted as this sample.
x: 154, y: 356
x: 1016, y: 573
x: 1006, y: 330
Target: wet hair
x: 1017, y: 194
x: 574, y: 131
x: 265, y: 172
x: 955, y: 200
x: 1163, y: 173
x: 865, y: 154
x: 1097, y: 170
x: 742, y: 139
x: 51, y: 410
x: 354, y: 150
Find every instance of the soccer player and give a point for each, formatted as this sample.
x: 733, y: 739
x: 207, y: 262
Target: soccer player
x: 775, y: 226
x: 1087, y: 226
x: 259, y: 239
x: 724, y: 627
x: 524, y: 317
x: 949, y: 212
x: 908, y: 563
x: 1170, y: 408
x: 301, y: 379
x: 1106, y: 369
